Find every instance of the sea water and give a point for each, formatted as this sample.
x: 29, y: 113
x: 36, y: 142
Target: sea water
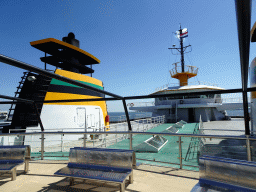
x: 237, y: 112
x: 120, y: 116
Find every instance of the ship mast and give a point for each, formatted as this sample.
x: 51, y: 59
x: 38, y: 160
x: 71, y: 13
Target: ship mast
x: 182, y: 51
x: 184, y: 74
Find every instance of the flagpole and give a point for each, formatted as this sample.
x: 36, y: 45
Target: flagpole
x: 181, y: 51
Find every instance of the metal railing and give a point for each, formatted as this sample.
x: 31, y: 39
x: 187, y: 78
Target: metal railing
x: 234, y: 100
x: 166, y: 86
x: 190, y: 101
x: 187, y: 68
x: 122, y: 118
x: 141, y: 104
x: 182, y: 139
x: 140, y: 125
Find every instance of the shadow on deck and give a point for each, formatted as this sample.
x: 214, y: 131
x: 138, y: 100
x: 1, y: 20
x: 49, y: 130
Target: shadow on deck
x: 147, y: 178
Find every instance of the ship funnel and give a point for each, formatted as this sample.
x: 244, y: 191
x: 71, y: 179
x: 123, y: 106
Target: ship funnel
x: 71, y: 39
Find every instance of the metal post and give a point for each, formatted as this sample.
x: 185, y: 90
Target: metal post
x: 42, y: 146
x: 45, y: 62
x: 38, y: 117
x: 180, y: 151
x: 84, y: 140
x: 246, y: 113
x: 128, y: 121
x: 176, y: 112
x: 116, y: 134
x: 243, y: 18
x: 248, y: 147
x: 62, y: 141
x: 130, y: 141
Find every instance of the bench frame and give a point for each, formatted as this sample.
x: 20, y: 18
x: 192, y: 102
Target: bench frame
x: 212, y: 168
x: 122, y: 183
x: 26, y: 160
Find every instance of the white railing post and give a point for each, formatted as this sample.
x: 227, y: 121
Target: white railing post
x: 42, y: 146
x: 248, y: 147
x: 116, y: 134
x: 62, y: 141
x: 84, y: 140
x: 130, y: 135
x: 180, y: 151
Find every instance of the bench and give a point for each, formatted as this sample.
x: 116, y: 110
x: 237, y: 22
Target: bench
x: 225, y: 174
x: 114, y: 165
x: 13, y: 156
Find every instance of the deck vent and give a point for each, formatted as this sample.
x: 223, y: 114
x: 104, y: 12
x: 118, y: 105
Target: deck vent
x: 153, y: 144
x: 182, y: 122
x: 175, y: 128
x: 178, y: 125
x: 171, y: 130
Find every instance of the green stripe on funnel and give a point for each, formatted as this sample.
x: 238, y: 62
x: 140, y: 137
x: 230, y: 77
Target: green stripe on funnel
x: 58, y: 82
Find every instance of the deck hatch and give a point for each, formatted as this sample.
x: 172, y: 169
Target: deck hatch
x: 153, y: 144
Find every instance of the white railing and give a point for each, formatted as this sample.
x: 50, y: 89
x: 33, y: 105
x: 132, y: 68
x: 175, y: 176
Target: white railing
x: 122, y: 118
x: 63, y: 142
x: 191, y: 101
x: 127, y: 135
x: 189, y: 83
x: 115, y: 118
x: 141, y: 104
x: 187, y: 68
x: 141, y: 125
x: 233, y: 100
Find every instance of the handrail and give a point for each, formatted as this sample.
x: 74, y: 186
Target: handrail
x: 187, y: 68
x: 128, y: 136
x: 133, y: 132
x: 234, y: 99
x: 189, y: 83
x: 121, y: 124
x: 26, y: 66
x: 223, y: 100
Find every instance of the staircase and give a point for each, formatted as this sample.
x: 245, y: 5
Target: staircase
x: 12, y: 108
x: 193, y: 148
x: 24, y: 114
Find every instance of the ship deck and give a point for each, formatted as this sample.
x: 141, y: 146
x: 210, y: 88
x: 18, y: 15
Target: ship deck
x: 168, y: 154
x: 147, y: 178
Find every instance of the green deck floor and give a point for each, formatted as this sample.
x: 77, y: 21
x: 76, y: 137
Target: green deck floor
x: 169, y: 153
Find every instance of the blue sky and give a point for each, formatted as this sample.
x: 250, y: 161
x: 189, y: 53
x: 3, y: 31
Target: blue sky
x: 131, y: 38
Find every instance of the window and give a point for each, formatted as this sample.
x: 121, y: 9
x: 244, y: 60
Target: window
x: 218, y: 96
x: 192, y: 96
x: 175, y: 97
